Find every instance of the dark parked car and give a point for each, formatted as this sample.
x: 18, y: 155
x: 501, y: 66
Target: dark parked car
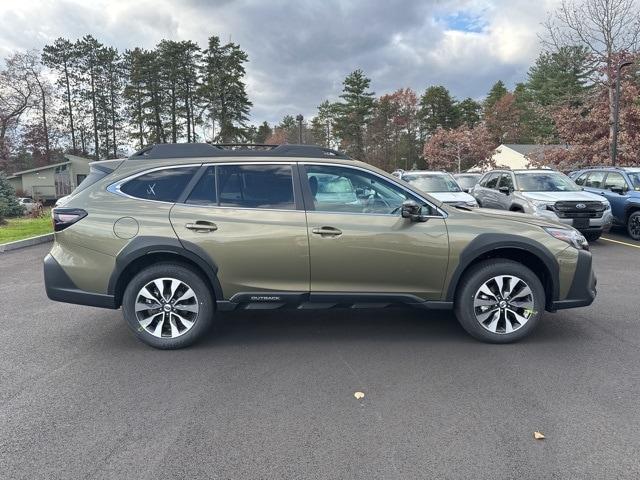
x: 619, y: 185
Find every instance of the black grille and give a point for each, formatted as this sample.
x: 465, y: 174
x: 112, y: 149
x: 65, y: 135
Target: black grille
x: 578, y: 209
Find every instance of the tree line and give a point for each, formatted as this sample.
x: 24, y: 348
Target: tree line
x: 104, y: 102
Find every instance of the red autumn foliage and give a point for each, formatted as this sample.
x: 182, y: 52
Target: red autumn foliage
x: 460, y: 149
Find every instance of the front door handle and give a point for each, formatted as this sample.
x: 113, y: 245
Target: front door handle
x: 327, y: 231
x: 202, y: 226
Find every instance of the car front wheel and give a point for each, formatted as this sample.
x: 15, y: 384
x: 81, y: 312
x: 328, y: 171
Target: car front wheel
x: 499, y: 301
x: 168, y: 306
x: 633, y: 225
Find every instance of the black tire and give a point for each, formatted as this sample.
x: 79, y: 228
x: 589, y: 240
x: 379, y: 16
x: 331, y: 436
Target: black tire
x: 474, y: 279
x: 633, y: 225
x: 202, y: 319
x: 592, y: 236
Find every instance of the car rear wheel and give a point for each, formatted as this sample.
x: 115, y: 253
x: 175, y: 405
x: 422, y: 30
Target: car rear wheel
x: 633, y: 225
x: 168, y: 306
x: 499, y: 301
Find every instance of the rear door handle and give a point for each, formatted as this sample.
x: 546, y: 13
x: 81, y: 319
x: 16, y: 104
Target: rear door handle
x: 202, y: 226
x: 327, y: 231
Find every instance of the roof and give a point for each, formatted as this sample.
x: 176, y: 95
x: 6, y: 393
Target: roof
x: 46, y: 167
x: 196, y: 150
x: 527, y: 148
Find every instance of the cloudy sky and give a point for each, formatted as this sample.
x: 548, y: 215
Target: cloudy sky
x: 301, y: 50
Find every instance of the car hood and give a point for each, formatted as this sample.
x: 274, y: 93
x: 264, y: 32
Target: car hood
x: 577, y: 196
x: 452, y: 196
x: 515, y: 216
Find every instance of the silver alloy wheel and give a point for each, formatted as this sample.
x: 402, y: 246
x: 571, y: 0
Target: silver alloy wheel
x: 166, y: 307
x: 503, y: 304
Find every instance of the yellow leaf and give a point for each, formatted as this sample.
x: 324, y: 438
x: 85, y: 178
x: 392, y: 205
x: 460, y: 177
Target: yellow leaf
x: 538, y: 435
x: 358, y: 395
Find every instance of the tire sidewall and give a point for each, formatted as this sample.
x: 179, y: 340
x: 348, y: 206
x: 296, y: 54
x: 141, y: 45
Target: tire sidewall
x: 475, y: 278
x: 631, y: 217
x: 184, y: 274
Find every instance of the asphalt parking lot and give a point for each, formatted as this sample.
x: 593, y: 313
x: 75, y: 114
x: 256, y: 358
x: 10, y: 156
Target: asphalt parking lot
x: 270, y: 394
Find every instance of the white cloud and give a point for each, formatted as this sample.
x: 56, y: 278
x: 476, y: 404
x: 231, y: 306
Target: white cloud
x: 300, y: 51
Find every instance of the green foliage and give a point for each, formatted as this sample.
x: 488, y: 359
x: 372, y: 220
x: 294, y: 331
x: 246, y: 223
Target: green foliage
x: 560, y: 77
x: 469, y: 112
x: 263, y: 132
x: 9, y: 206
x: 354, y: 112
x: 437, y: 110
x: 498, y: 90
x: 223, y: 90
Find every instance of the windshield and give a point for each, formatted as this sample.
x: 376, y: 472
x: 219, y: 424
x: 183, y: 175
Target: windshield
x: 545, y: 182
x: 635, y: 179
x: 432, y: 182
x: 467, y: 181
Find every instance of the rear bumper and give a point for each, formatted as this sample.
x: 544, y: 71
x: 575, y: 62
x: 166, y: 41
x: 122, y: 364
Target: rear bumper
x: 583, y: 287
x: 61, y: 288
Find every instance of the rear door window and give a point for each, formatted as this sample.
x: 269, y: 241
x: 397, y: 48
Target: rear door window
x: 615, y: 180
x: 255, y: 186
x: 164, y: 185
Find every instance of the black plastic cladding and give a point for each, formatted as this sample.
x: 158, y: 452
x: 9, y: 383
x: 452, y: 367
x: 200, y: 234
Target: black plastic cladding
x: 186, y: 150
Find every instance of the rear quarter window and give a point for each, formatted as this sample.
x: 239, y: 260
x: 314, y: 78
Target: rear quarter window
x: 161, y: 185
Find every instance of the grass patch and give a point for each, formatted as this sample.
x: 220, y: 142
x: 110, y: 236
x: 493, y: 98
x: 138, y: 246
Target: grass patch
x: 25, y: 227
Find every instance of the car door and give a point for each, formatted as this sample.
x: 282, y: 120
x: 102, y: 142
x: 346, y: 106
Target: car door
x: 249, y: 220
x: 504, y: 200
x: 489, y: 191
x: 359, y: 243
x: 616, y: 199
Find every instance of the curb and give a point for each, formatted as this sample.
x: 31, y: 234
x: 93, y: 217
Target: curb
x: 27, y: 242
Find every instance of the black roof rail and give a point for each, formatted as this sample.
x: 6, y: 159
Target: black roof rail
x: 185, y: 150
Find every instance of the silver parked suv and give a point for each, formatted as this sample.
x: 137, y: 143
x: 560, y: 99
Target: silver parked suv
x: 546, y: 193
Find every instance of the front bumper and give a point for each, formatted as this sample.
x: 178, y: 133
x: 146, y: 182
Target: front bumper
x: 583, y: 287
x: 61, y: 288
x: 602, y: 224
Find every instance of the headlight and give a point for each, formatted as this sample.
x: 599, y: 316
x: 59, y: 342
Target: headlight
x: 570, y: 236
x: 471, y: 203
x: 540, y: 206
x: 607, y: 205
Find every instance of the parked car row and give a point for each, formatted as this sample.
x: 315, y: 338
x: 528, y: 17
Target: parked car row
x: 590, y: 200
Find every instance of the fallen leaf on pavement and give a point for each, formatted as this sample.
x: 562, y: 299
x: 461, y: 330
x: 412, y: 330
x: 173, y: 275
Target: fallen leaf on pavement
x: 358, y: 395
x: 538, y: 435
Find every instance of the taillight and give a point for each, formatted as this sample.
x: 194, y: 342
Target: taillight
x: 65, y: 217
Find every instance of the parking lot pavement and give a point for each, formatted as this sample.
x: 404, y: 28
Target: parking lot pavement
x: 270, y: 394
x: 619, y: 235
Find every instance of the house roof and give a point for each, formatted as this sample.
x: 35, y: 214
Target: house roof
x: 527, y: 148
x: 46, y: 167
x: 68, y: 160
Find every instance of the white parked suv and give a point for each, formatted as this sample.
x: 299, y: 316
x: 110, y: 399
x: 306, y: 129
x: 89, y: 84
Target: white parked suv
x: 28, y: 205
x: 546, y: 193
x: 440, y: 185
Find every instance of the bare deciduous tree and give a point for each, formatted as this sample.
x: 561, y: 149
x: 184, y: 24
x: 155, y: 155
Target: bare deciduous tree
x: 609, y: 29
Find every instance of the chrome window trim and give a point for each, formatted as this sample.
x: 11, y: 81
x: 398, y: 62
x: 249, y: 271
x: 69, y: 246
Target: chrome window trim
x: 115, y: 187
x: 443, y: 214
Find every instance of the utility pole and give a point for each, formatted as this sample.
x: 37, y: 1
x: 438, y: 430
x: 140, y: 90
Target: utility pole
x: 616, y: 114
x: 299, y: 118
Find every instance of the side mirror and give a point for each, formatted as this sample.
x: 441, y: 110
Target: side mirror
x: 618, y: 190
x: 466, y: 190
x: 505, y: 190
x: 411, y: 210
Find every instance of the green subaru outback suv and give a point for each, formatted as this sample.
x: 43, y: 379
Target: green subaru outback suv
x: 176, y: 233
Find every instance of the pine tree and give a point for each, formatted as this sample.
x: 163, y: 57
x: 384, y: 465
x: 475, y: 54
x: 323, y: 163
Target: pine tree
x: 263, y: 132
x: 437, y: 110
x: 223, y: 90
x: 354, y: 113
x: 62, y: 57
x: 498, y: 90
x: 469, y: 112
x: 9, y: 206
